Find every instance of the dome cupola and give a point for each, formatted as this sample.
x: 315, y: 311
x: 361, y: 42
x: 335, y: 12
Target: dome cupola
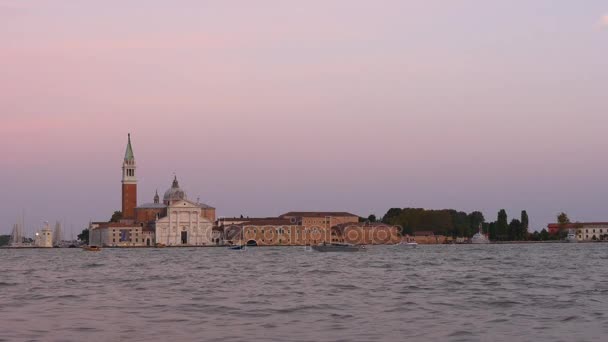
x: 175, y: 193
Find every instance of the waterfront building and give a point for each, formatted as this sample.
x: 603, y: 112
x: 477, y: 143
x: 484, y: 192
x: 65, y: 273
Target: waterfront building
x: 229, y: 221
x: 307, y: 228
x: 44, y: 237
x: 428, y: 238
x: 175, y: 221
x: 117, y: 234
x: 325, y: 219
x: 366, y: 233
x: 585, y: 231
x: 185, y: 222
x: 275, y: 232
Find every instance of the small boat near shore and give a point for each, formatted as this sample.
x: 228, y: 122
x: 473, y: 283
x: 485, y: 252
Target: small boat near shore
x: 91, y: 248
x: 237, y: 248
x: 571, y: 238
x: 338, y: 247
x: 480, y: 238
x: 409, y: 243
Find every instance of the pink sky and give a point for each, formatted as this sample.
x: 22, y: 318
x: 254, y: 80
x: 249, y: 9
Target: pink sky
x: 264, y: 107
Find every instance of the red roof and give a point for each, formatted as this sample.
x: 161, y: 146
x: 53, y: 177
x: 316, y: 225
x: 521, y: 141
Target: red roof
x: 318, y: 214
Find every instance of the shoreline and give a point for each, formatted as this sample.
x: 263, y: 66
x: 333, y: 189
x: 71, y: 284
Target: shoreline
x: 227, y: 246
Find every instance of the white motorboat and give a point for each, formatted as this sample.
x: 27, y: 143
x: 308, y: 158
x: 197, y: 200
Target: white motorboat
x: 571, y: 236
x: 409, y: 243
x: 480, y: 237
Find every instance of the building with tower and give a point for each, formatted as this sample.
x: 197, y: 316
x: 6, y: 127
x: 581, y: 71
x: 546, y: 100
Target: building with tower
x: 129, y: 183
x: 176, y: 221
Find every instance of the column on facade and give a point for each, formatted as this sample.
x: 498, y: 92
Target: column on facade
x: 198, y: 227
x: 177, y: 229
x: 190, y: 230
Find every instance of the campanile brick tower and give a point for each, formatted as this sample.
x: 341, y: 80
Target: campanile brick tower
x: 129, y: 184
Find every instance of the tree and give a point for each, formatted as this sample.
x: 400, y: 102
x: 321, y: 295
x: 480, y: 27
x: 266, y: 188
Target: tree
x: 502, y: 225
x: 391, y: 215
x: 563, y: 218
x: 476, y: 218
x: 371, y: 218
x: 514, y: 229
x: 117, y: 216
x: 4, y: 239
x: 492, y: 230
x: 544, y: 235
x: 84, y: 236
x: 525, y: 225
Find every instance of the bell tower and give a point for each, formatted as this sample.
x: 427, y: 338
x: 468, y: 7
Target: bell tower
x: 129, y: 184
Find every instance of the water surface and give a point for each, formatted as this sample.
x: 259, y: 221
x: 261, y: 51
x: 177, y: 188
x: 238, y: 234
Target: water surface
x: 546, y: 292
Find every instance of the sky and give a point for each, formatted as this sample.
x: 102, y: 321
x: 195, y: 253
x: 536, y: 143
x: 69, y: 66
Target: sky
x: 262, y: 107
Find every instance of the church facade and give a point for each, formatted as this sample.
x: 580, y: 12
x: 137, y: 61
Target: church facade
x: 177, y: 221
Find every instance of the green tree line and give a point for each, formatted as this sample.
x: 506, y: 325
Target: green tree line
x: 455, y: 223
x: 448, y: 222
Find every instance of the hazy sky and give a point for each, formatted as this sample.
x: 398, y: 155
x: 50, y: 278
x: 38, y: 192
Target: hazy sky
x: 266, y: 106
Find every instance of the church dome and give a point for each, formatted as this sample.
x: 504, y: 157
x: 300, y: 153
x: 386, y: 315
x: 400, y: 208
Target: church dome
x: 175, y: 193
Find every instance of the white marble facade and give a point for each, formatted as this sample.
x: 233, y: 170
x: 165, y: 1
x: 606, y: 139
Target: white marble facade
x: 184, y: 225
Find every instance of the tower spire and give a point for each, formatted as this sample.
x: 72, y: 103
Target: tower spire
x: 129, y: 152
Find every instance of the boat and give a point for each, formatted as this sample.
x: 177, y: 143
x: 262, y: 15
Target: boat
x: 92, y: 248
x: 408, y: 243
x: 480, y: 238
x: 240, y: 247
x: 571, y: 236
x: 160, y: 245
x: 338, y: 247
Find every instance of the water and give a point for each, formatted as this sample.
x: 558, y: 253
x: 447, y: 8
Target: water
x: 548, y: 292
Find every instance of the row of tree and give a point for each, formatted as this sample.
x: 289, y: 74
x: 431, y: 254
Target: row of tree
x: 455, y: 223
x: 448, y: 222
x: 503, y: 230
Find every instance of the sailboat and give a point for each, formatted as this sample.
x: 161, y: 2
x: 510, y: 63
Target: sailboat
x: 57, y: 235
x: 16, y: 239
x: 242, y: 246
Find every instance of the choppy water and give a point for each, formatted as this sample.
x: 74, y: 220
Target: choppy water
x: 549, y: 292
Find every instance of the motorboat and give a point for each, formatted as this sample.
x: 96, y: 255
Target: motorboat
x: 480, y: 238
x: 91, y: 248
x: 160, y: 245
x: 338, y: 247
x: 571, y: 236
x: 408, y: 243
x: 237, y: 248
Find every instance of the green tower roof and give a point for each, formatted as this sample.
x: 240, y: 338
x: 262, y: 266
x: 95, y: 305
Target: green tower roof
x: 129, y: 152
